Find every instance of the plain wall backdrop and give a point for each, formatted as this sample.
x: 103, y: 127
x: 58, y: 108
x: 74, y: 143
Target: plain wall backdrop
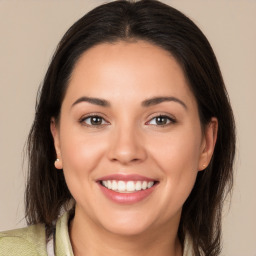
x: 29, y: 33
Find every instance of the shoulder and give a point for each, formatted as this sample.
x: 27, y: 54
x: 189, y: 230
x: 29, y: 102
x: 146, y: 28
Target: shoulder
x: 24, y: 242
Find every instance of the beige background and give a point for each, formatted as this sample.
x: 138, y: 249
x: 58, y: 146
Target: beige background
x: 29, y: 32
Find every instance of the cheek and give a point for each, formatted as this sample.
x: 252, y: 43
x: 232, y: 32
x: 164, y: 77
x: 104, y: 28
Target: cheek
x: 80, y: 154
x: 178, y: 151
x: 79, y: 148
x: 177, y: 157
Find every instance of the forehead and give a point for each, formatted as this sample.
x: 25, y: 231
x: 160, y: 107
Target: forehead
x: 135, y: 70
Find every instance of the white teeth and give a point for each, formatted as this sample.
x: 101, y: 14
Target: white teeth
x: 121, y: 186
x: 129, y: 186
x: 114, y: 185
x: 109, y: 185
x: 144, y: 185
x: 150, y: 184
x: 138, y: 185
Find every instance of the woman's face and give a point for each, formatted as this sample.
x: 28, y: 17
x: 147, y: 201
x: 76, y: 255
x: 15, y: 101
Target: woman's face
x: 129, y: 138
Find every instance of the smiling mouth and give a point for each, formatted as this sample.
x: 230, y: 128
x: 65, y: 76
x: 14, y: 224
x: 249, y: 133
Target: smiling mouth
x: 130, y: 186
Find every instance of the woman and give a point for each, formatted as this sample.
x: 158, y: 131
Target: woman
x: 133, y: 140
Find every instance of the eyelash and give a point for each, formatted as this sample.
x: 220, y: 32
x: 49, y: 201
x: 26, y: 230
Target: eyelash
x: 83, y: 119
x: 170, y: 120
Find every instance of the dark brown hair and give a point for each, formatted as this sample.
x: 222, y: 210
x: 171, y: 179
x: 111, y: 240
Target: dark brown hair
x: 164, y: 26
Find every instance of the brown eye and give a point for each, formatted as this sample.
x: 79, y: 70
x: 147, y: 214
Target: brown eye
x: 93, y: 121
x: 96, y: 120
x: 161, y: 120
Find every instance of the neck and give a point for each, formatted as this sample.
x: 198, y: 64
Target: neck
x: 87, y: 238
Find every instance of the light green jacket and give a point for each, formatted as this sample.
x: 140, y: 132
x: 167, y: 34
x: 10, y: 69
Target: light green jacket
x: 31, y: 241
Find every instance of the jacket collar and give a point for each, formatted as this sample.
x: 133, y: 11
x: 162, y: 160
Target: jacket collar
x: 63, y: 245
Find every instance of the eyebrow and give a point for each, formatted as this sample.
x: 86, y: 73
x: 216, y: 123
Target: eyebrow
x: 145, y: 103
x: 158, y: 100
x: 95, y: 101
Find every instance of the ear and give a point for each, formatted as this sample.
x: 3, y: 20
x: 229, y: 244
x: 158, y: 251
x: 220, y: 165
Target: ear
x: 208, y: 143
x: 56, y: 138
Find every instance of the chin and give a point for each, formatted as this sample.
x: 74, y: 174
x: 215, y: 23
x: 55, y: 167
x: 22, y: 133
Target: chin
x: 128, y: 223
x: 126, y: 229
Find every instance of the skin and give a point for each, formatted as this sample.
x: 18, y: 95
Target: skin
x: 130, y: 141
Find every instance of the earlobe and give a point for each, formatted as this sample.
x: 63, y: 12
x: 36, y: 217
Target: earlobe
x: 208, y: 145
x: 55, y: 135
x: 58, y: 164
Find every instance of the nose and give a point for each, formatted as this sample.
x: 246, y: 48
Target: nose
x: 126, y: 146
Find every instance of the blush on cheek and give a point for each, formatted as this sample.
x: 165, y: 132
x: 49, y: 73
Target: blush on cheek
x: 81, y: 155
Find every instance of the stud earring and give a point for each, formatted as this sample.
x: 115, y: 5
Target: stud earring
x: 58, y: 164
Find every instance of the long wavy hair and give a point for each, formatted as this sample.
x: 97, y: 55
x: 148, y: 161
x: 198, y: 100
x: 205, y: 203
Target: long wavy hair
x: 166, y: 27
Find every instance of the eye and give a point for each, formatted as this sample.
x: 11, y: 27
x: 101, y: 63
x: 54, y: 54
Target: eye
x: 161, y: 120
x: 93, y: 120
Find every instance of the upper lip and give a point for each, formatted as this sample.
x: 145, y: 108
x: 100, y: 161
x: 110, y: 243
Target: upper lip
x: 126, y: 177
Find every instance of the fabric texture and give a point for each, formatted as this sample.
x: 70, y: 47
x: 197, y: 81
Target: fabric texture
x: 31, y: 241
x: 24, y: 242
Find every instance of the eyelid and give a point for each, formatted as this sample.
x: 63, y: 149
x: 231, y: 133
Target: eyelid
x: 91, y: 115
x: 172, y: 119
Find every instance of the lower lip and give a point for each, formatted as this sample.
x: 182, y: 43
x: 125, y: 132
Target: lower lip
x: 126, y: 198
